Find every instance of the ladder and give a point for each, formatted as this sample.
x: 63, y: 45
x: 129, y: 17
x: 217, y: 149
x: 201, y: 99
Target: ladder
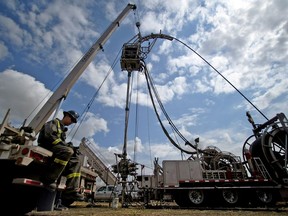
x: 261, y: 168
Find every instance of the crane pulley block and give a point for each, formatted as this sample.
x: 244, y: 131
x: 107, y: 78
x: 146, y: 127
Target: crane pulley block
x: 130, y: 59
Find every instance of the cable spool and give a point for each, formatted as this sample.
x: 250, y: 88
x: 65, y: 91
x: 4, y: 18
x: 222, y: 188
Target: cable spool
x: 270, y: 148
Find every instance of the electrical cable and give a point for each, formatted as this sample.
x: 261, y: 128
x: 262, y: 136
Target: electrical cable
x: 150, y: 88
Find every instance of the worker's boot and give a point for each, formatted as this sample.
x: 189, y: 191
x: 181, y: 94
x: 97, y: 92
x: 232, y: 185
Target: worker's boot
x: 58, y: 206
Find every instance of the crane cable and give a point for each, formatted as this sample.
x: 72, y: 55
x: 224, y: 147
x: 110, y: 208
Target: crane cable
x: 222, y: 77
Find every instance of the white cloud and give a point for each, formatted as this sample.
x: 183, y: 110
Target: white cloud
x: 91, y: 125
x: 166, y: 16
x: 3, y: 51
x: 22, y: 93
x: 12, y: 32
x: 155, y: 57
x: 164, y: 151
x: 150, y: 23
x: 48, y: 26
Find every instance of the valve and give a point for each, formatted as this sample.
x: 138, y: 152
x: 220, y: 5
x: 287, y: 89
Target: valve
x: 132, y: 168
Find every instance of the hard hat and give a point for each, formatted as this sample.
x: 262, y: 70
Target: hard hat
x: 74, y: 115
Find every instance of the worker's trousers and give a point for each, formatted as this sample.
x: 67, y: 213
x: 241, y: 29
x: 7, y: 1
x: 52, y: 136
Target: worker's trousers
x: 64, y: 162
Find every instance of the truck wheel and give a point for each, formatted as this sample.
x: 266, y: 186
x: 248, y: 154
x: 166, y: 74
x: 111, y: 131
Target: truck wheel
x: 230, y: 197
x: 196, y: 197
x: 265, y: 197
x: 181, y: 199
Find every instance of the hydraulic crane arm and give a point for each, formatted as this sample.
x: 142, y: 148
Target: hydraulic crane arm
x: 63, y: 90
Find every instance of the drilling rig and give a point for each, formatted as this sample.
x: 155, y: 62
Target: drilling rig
x: 211, y: 177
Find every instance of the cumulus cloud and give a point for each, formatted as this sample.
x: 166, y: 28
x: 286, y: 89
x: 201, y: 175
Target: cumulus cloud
x: 3, y: 51
x: 12, y: 32
x: 91, y: 125
x: 22, y: 99
x: 164, y: 151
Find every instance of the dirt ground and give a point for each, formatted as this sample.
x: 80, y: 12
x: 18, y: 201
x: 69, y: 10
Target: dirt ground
x: 80, y: 209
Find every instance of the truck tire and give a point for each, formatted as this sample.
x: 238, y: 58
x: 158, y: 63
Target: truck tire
x: 230, y: 196
x: 197, y: 197
x: 181, y: 198
x: 264, y: 197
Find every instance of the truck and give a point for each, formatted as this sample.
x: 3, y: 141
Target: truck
x: 220, y: 179
x: 21, y: 161
x: 210, y: 177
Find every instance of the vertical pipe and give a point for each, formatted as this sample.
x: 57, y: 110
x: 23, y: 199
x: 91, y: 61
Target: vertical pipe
x: 126, y: 115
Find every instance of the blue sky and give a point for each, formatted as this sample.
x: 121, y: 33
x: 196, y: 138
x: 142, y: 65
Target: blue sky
x: 246, y: 41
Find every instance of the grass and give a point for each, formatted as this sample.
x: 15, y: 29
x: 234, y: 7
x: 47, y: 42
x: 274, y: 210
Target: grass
x: 103, y: 209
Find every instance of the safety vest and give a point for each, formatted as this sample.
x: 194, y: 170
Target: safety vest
x: 59, y: 133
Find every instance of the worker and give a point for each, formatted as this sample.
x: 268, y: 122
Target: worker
x: 65, y: 159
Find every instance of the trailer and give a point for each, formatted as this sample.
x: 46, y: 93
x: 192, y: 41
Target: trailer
x: 217, y: 178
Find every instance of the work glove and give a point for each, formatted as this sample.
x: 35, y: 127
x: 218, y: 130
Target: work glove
x: 70, y: 144
x: 76, y: 151
x: 63, y: 136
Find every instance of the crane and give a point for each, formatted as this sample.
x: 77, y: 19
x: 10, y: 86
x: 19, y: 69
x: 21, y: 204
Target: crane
x: 22, y: 162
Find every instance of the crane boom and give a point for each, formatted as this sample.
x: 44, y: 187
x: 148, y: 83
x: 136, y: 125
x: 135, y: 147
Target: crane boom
x: 63, y: 90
